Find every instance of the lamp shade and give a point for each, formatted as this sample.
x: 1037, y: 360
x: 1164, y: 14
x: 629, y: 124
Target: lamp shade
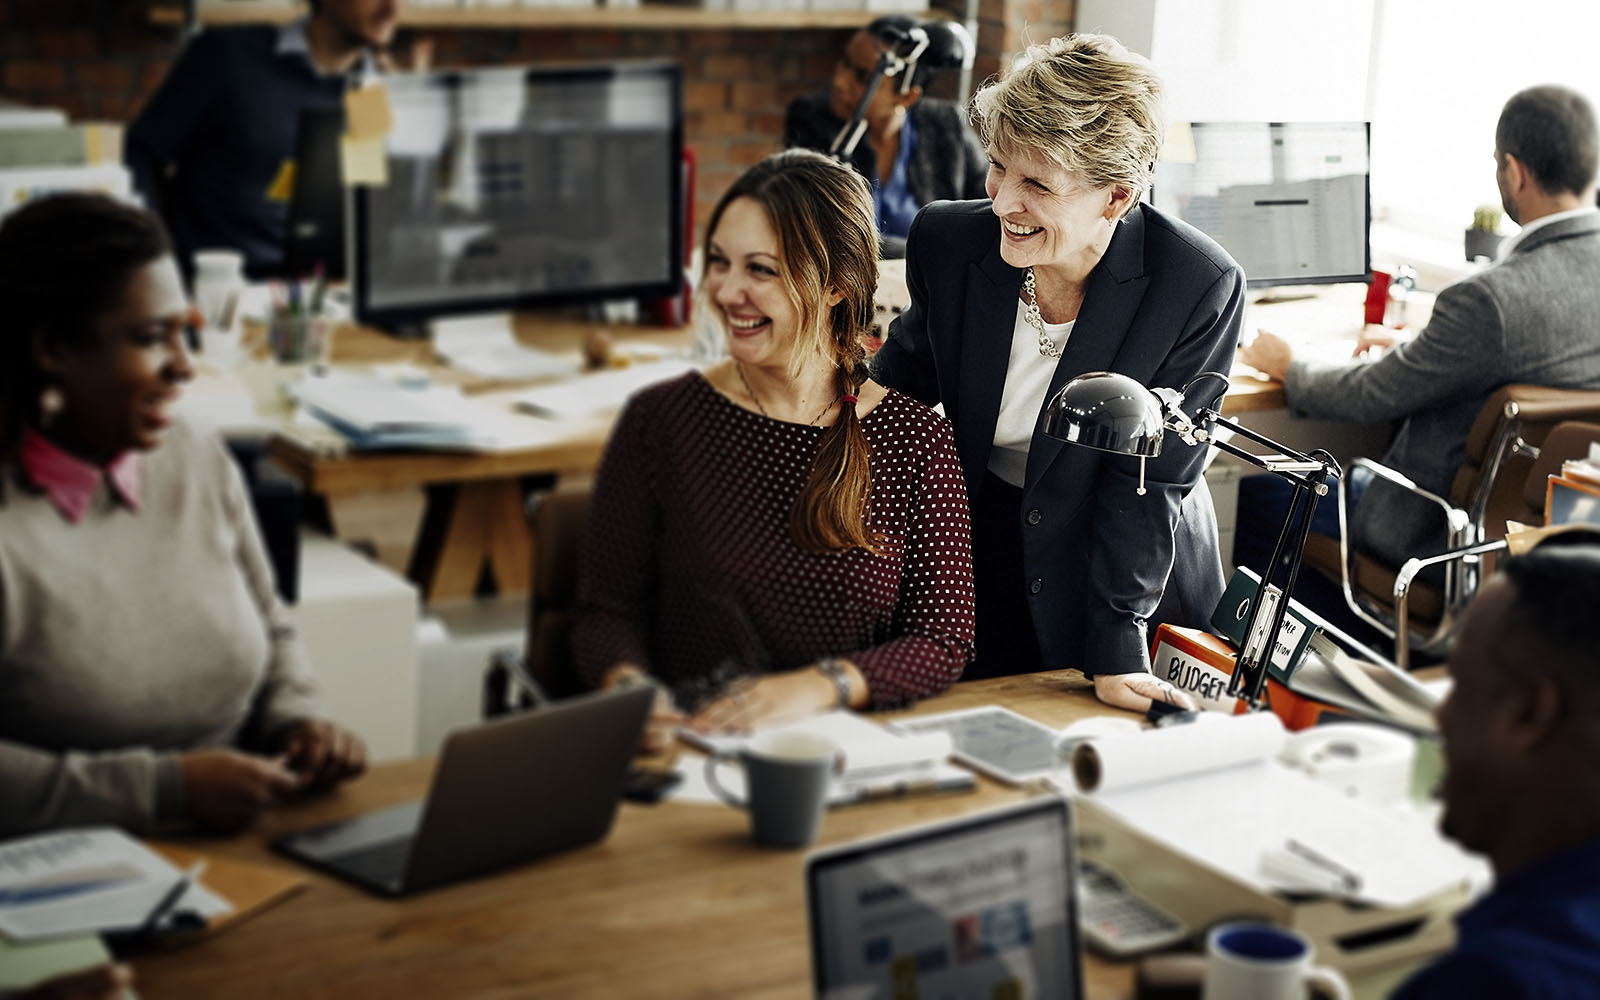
x: 1107, y: 411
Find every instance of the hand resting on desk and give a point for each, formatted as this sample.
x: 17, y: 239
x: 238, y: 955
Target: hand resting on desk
x: 225, y: 790
x: 1268, y: 354
x: 770, y: 700
x: 1136, y: 691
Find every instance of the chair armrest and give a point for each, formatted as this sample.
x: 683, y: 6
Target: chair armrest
x: 508, y: 685
x: 1402, y: 594
x: 1458, y: 523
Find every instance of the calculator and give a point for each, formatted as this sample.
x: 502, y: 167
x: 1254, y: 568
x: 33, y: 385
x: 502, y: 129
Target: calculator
x: 1116, y: 921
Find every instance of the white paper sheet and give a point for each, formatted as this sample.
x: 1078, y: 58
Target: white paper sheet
x: 139, y: 878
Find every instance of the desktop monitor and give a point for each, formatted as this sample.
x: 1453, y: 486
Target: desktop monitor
x: 513, y: 188
x: 1290, y: 201
x: 315, y: 237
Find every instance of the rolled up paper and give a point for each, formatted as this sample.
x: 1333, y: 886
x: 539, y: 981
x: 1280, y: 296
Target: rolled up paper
x: 1209, y: 743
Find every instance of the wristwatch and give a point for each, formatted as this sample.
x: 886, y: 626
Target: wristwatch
x: 834, y: 670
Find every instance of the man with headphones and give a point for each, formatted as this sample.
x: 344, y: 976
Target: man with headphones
x: 913, y: 151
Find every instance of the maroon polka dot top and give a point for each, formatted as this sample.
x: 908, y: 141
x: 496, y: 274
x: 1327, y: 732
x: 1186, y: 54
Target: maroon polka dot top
x: 689, y: 571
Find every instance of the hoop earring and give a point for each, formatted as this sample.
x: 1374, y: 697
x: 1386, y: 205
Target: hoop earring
x: 51, y: 402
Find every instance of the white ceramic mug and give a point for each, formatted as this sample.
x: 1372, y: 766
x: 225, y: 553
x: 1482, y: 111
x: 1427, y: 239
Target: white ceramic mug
x: 1249, y: 961
x: 218, y: 286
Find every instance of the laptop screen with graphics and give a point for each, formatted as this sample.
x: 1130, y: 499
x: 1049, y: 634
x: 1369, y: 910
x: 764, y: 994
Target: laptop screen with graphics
x: 979, y: 906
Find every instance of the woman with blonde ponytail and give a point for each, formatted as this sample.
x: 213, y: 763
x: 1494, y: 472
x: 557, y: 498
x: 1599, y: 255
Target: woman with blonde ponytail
x: 779, y: 535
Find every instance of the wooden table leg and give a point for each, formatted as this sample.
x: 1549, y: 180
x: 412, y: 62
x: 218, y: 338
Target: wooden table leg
x: 386, y: 520
x: 468, y: 525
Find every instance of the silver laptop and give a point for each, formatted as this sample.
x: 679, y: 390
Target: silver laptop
x: 504, y: 792
x: 978, y: 906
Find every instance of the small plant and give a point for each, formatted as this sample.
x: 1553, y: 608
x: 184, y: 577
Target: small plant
x: 1487, y: 218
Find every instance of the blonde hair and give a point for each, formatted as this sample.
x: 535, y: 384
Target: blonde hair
x: 827, y: 242
x: 1085, y: 102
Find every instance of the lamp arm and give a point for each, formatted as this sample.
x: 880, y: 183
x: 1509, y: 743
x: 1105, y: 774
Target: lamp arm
x: 889, y: 64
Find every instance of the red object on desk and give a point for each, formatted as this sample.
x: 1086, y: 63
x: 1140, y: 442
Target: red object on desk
x: 1377, y: 297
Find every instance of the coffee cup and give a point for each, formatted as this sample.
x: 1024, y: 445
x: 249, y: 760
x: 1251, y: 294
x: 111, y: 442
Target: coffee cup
x: 786, y: 778
x: 1248, y: 961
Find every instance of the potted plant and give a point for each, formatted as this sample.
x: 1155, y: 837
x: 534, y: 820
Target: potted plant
x: 1483, y: 238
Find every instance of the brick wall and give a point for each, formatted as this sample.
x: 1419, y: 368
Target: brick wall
x: 102, y: 58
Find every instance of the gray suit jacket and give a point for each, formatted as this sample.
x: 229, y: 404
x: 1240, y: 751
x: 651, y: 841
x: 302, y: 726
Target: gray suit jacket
x: 1532, y: 317
x: 1162, y: 306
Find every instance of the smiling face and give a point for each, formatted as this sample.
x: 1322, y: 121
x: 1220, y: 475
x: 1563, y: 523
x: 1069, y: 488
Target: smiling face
x: 1048, y: 216
x: 745, y: 282
x: 119, y: 386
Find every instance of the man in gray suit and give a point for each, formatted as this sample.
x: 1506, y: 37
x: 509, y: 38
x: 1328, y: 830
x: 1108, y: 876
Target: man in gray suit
x: 1533, y: 317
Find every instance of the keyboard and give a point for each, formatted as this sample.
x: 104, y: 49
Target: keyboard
x: 381, y: 864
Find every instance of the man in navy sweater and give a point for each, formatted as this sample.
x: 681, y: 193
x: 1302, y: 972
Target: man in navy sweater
x: 207, y: 147
x: 1521, y: 732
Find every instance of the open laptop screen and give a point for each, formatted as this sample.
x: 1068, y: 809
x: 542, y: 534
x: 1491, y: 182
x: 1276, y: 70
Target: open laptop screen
x: 980, y: 906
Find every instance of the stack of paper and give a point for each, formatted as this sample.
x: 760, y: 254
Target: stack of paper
x: 1255, y: 809
x: 877, y: 763
x: 590, y: 395
x: 487, y: 347
x: 88, y: 879
x: 375, y: 413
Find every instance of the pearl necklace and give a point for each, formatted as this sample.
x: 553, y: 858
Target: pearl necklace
x: 1047, y: 347
x: 740, y: 369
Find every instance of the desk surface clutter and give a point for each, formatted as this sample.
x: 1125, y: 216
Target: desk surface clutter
x: 676, y: 902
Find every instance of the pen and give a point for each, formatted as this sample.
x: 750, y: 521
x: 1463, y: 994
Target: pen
x: 860, y: 793
x: 170, y: 899
x: 318, y: 288
x: 1349, y: 880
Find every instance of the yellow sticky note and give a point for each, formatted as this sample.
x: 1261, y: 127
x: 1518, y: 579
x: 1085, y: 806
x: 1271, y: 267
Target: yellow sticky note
x: 362, y: 160
x: 282, y: 187
x: 366, y: 111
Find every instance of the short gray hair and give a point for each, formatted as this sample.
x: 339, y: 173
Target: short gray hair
x: 1083, y: 101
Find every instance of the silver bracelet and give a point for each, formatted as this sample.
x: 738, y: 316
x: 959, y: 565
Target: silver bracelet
x: 833, y: 669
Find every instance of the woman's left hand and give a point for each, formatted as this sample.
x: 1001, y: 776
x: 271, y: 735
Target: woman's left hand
x: 775, y: 698
x: 1137, y: 690
x: 324, y: 753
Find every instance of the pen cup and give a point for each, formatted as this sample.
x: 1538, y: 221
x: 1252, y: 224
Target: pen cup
x: 786, y: 781
x: 299, y: 337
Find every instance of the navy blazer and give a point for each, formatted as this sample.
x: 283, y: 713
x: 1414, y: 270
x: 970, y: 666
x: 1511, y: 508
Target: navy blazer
x: 1163, y: 305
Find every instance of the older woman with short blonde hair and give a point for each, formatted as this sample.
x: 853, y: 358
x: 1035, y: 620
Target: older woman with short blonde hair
x: 1062, y: 271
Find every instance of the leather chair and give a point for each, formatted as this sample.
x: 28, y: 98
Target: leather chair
x: 544, y: 668
x: 1493, y: 486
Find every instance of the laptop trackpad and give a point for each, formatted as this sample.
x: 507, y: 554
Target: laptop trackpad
x: 327, y: 842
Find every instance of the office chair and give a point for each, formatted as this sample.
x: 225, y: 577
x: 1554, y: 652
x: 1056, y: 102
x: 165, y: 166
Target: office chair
x: 1492, y: 487
x: 544, y: 668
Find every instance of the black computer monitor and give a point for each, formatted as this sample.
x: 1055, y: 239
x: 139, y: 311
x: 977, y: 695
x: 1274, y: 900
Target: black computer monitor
x: 517, y: 188
x: 315, y: 237
x: 1290, y: 201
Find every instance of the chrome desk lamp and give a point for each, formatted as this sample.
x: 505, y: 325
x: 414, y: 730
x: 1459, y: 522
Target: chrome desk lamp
x: 1116, y: 413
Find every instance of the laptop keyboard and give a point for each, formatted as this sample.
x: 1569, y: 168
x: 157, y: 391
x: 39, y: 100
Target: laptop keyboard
x: 383, y: 864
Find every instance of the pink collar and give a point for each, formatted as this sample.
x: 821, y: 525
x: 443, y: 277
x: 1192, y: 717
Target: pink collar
x: 69, y: 482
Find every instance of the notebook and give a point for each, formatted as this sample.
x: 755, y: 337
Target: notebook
x: 504, y: 792
x: 978, y: 906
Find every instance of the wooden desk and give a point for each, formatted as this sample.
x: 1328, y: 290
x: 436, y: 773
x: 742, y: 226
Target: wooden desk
x: 473, y: 513
x: 676, y: 903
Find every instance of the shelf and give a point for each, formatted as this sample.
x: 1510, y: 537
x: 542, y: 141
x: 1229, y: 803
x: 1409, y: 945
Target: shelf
x: 649, y: 17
